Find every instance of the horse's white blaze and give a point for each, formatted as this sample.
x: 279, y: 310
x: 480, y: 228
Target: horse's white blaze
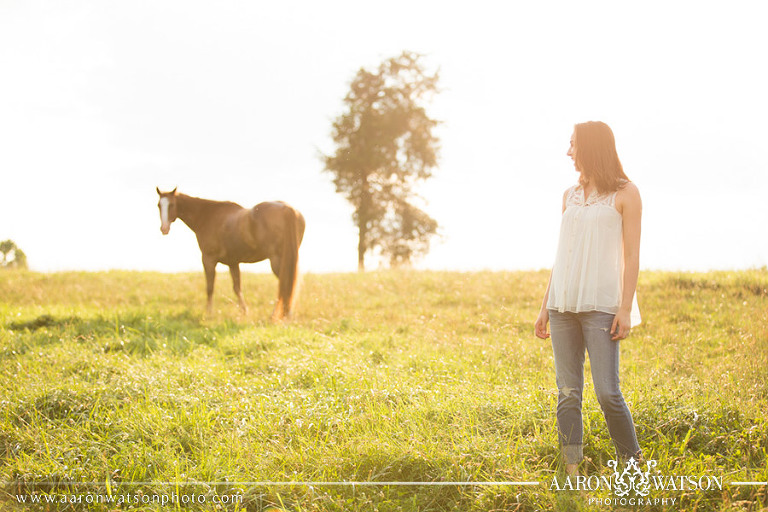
x: 164, y: 203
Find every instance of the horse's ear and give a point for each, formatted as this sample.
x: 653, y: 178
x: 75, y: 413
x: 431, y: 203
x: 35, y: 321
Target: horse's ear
x: 174, y: 190
x: 158, y: 191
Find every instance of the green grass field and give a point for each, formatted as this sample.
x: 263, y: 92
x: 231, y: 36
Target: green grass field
x: 115, y: 384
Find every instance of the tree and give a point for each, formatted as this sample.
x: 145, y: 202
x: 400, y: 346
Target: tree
x: 385, y: 147
x: 13, y: 257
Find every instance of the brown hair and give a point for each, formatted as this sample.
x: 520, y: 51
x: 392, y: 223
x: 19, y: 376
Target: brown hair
x: 596, y: 157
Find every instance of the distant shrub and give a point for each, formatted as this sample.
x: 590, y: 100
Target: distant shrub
x: 13, y: 257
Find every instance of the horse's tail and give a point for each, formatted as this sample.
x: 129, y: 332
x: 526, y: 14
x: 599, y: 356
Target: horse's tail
x: 293, y: 223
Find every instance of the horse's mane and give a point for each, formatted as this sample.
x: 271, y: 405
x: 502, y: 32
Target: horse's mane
x: 200, y: 202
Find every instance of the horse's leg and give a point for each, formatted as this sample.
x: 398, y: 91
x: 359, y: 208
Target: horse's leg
x: 209, y: 265
x: 277, y: 313
x: 274, y: 262
x: 234, y: 271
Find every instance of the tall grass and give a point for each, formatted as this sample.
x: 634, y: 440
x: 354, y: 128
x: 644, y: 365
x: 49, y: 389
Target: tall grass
x: 116, y: 382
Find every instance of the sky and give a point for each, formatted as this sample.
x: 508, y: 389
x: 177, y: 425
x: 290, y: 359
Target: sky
x: 102, y: 101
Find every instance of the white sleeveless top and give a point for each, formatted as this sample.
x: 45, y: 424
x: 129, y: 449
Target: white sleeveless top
x: 589, y: 266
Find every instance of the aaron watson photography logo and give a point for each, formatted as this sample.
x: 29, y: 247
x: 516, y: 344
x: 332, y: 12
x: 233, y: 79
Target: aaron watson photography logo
x: 631, y: 484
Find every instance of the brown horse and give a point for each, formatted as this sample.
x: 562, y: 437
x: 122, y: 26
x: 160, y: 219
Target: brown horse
x: 230, y: 234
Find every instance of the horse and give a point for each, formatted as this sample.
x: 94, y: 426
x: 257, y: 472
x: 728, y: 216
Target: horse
x: 230, y: 234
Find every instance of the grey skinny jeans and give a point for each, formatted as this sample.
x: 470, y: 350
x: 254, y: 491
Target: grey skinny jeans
x: 571, y: 334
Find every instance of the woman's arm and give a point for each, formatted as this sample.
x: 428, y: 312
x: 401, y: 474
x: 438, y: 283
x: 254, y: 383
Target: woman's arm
x: 540, y: 327
x: 629, y: 204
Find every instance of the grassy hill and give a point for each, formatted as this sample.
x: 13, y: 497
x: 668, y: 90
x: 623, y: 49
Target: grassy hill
x: 116, y: 384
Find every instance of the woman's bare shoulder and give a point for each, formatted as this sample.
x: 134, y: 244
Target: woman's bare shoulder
x: 570, y: 190
x: 629, y: 194
x: 630, y: 185
x: 566, y: 194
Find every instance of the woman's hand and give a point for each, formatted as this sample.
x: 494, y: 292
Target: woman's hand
x: 540, y: 327
x: 621, y: 325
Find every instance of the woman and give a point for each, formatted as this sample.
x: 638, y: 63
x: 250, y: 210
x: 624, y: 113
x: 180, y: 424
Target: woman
x: 590, y: 300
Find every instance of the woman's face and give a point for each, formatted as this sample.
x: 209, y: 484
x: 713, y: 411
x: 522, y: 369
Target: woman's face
x: 572, y: 149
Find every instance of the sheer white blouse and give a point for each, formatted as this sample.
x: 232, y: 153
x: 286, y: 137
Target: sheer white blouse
x: 589, y: 266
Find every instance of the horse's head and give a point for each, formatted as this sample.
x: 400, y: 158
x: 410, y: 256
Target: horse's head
x: 167, y: 207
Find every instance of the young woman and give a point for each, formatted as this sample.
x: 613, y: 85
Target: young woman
x: 590, y: 300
